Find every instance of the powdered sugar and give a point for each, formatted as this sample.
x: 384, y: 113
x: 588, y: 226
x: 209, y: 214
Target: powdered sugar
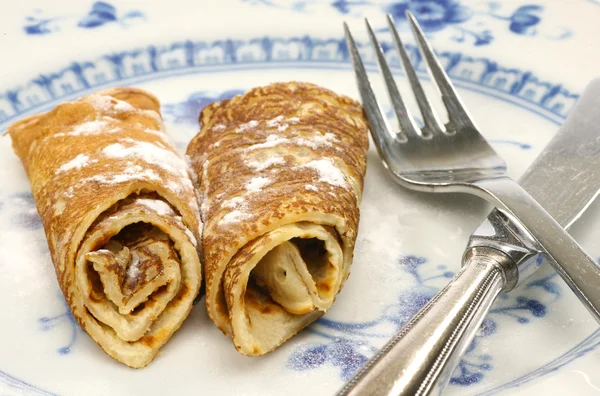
x: 330, y: 137
x: 257, y: 183
x: 328, y: 172
x: 160, y: 207
x: 259, y: 166
x: 234, y: 216
x: 190, y: 236
x: 235, y: 202
x: 87, y: 128
x: 313, y: 142
x: 152, y: 114
x: 134, y: 172
x: 133, y: 271
x: 275, y: 121
x: 244, y: 127
x: 218, y: 127
x: 123, y: 107
x: 109, y: 104
x: 271, y: 141
x: 174, y: 186
x: 152, y: 154
x: 310, y: 187
x: 156, y: 132
x: 78, y: 162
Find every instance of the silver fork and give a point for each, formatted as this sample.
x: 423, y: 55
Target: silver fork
x: 453, y: 157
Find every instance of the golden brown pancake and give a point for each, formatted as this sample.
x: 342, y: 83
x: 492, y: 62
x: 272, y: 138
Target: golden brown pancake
x: 121, y: 217
x: 280, y: 171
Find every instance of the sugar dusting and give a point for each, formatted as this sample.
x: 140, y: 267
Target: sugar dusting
x: 234, y: 216
x: 328, y: 172
x: 190, y: 236
x: 88, y: 128
x: 257, y: 183
x: 271, y: 141
x: 275, y: 121
x: 109, y: 104
x: 152, y: 154
x: 244, y: 127
x: 156, y: 132
x: 159, y: 206
x: 310, y: 187
x: 133, y: 172
x: 239, y: 210
x: 103, y: 126
x: 234, y: 202
x: 313, y: 142
x: 133, y: 271
x: 78, y: 162
x: 259, y: 166
x: 330, y: 137
x: 177, y: 187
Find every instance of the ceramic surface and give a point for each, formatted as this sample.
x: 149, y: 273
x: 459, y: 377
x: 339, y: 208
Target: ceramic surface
x: 519, y: 66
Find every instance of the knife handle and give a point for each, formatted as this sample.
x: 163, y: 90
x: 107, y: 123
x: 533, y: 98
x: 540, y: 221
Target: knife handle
x: 421, y: 357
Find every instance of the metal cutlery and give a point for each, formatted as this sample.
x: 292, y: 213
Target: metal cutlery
x: 455, y: 157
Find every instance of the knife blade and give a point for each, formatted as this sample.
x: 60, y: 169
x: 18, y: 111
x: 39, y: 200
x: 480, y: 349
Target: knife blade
x: 421, y: 357
x: 564, y: 179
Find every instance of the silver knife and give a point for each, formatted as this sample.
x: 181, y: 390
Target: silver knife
x: 422, y: 356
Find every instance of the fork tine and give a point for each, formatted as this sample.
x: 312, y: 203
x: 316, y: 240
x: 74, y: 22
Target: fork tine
x: 405, y: 119
x: 430, y: 119
x: 378, y: 125
x: 457, y: 113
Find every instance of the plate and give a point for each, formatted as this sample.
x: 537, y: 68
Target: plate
x: 518, y: 66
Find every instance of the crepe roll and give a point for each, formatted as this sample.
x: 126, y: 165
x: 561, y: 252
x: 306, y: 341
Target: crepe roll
x: 121, y: 217
x: 280, y: 171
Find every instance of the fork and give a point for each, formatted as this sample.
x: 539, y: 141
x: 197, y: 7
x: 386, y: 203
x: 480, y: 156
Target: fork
x: 452, y: 157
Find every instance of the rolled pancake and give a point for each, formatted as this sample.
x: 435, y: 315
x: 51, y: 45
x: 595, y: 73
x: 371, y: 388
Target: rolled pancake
x: 281, y: 173
x: 120, y: 215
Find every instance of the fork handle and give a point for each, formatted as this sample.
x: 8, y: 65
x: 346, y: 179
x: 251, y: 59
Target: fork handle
x: 421, y: 357
x: 573, y: 264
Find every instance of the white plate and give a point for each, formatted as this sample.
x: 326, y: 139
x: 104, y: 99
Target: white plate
x: 519, y: 68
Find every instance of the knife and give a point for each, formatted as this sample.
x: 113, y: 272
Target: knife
x: 500, y: 255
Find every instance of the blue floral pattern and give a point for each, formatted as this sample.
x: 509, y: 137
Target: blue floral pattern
x: 47, y: 323
x: 551, y: 101
x: 432, y: 15
x: 349, y: 345
x: 22, y: 387
x: 188, y: 110
x: 466, y: 23
x: 100, y: 14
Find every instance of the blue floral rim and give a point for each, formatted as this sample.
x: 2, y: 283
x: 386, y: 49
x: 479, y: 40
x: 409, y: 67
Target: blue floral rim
x: 549, y: 100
